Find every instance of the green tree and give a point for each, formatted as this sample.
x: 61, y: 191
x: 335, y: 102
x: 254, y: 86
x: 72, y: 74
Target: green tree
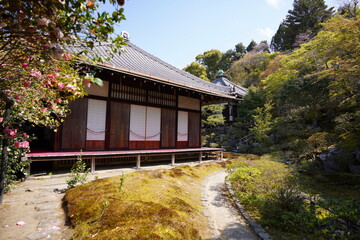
x: 211, y: 60
x: 212, y: 124
x: 240, y: 50
x: 38, y: 77
x: 197, y: 70
x: 227, y: 59
x: 301, y: 24
x: 251, y: 46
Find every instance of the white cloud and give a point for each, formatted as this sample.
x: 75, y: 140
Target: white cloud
x: 266, y: 32
x: 274, y: 3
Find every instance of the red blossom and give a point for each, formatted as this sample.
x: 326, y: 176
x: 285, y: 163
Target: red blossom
x: 27, y: 84
x: 24, y: 65
x: 44, y: 109
x: 58, y: 100
x: 1, y: 119
x: 46, y: 83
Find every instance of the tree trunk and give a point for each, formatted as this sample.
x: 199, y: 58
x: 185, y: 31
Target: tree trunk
x: 4, y: 153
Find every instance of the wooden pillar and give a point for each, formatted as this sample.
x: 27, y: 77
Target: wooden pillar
x: 92, y: 164
x: 200, y: 157
x: 221, y: 155
x: 173, y: 159
x: 138, y: 160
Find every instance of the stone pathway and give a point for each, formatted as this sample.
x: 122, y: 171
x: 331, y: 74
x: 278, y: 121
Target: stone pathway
x: 224, y: 219
x: 33, y: 209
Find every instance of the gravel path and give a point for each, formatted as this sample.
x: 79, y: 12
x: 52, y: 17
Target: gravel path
x: 224, y: 219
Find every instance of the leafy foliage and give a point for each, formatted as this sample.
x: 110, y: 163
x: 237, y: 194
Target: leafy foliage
x: 210, y: 59
x: 198, y: 70
x: 316, y: 89
x: 271, y: 192
x: 246, y: 71
x: 38, y: 77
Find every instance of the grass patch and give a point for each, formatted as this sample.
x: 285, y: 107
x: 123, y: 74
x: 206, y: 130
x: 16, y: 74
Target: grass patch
x: 274, y: 194
x: 158, y: 204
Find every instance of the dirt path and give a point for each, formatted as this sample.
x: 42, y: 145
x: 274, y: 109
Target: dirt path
x: 224, y: 219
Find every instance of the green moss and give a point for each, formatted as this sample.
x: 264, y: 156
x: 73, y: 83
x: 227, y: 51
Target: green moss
x: 159, y: 204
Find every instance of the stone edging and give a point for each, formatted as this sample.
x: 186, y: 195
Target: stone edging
x: 252, y: 223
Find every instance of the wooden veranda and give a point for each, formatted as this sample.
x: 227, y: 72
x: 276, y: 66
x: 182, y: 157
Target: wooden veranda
x: 94, y: 155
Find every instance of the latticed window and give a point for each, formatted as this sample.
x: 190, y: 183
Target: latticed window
x: 124, y: 92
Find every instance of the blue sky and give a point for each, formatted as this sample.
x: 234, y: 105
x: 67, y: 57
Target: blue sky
x: 177, y: 31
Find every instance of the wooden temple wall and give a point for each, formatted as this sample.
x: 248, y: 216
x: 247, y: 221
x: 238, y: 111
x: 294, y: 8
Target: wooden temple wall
x: 135, y: 115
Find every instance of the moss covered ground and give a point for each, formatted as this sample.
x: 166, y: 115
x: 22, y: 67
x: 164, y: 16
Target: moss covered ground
x: 146, y: 204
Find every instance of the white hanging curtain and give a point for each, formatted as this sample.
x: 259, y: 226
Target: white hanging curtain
x: 96, y: 120
x: 137, y: 123
x: 153, y: 121
x: 182, y: 134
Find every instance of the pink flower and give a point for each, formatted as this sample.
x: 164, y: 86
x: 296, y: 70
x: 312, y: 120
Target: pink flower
x: 27, y: 84
x: 18, y: 97
x: 57, y: 74
x: 25, y: 144
x: 21, y: 144
x: 1, y: 119
x: 58, y: 100
x: 10, y: 132
x: 25, y: 65
x: 35, y: 74
x: 25, y: 135
x: 44, y: 109
x: 67, y: 57
x: 60, y: 86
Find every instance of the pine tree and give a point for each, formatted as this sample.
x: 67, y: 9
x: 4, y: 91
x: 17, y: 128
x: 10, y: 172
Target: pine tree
x: 301, y: 24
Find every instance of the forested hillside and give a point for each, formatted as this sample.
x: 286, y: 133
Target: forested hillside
x: 304, y: 95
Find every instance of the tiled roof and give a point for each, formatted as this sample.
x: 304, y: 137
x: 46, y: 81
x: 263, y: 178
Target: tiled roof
x: 223, y: 81
x: 136, y: 61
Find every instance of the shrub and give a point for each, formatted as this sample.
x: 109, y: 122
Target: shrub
x: 78, y: 173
